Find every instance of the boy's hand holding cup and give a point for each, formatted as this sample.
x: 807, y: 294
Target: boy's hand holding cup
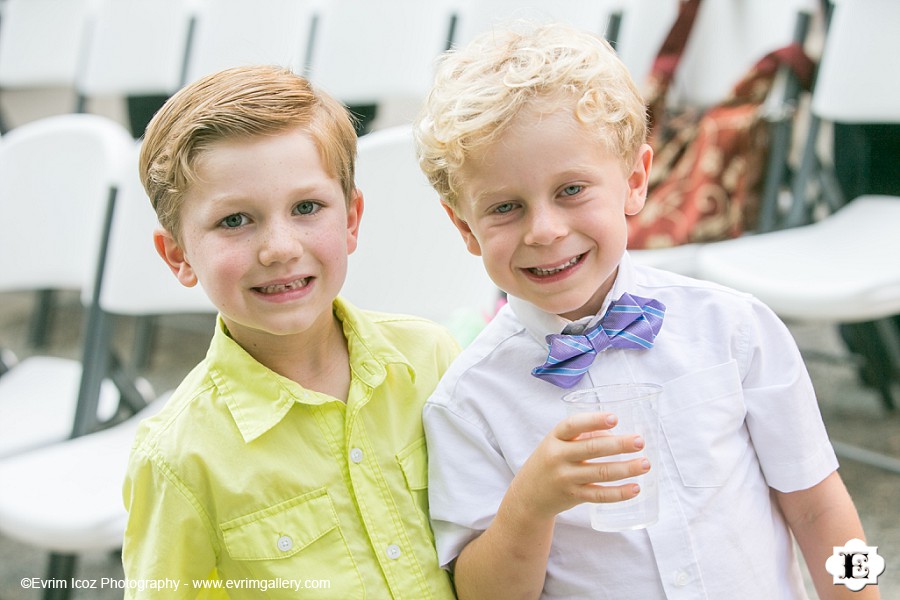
x: 635, y: 406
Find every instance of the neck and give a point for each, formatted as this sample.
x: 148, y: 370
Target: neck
x: 317, y: 359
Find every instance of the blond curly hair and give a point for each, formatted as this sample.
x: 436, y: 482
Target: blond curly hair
x: 480, y: 88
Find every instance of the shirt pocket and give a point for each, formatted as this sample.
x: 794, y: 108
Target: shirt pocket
x: 299, y: 538
x: 413, y: 461
x: 702, y: 418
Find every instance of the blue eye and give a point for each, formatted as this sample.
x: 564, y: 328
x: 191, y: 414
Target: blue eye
x: 504, y: 208
x: 306, y: 208
x: 233, y: 221
x: 572, y: 190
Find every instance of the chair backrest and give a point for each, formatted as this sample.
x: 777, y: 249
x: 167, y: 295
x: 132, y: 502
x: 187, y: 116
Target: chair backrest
x: 857, y: 81
x: 136, y: 47
x: 477, y: 16
x: 728, y: 37
x: 410, y: 258
x: 41, y: 42
x: 232, y: 33
x: 643, y: 28
x: 55, y: 177
x: 365, y: 52
x: 136, y: 281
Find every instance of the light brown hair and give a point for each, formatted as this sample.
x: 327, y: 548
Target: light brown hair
x: 240, y: 102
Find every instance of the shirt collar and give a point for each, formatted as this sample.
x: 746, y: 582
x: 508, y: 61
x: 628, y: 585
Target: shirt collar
x: 370, y: 351
x: 540, y: 323
x: 259, y: 398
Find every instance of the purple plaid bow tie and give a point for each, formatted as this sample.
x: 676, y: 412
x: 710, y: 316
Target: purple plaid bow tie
x: 630, y: 322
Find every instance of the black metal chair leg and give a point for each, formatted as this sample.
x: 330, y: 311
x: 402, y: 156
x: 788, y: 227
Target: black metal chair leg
x: 60, y: 573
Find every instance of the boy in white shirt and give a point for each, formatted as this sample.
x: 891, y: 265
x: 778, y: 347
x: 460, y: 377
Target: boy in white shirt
x: 536, y: 142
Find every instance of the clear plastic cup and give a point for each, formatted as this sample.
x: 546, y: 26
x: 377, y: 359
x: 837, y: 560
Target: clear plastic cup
x: 635, y: 405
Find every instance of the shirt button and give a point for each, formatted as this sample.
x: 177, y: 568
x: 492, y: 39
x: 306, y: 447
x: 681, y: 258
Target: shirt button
x: 393, y: 551
x: 356, y: 455
x: 285, y: 543
x: 682, y: 579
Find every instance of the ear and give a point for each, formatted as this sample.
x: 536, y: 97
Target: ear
x: 354, y: 216
x: 472, y: 244
x: 638, y: 180
x: 173, y: 254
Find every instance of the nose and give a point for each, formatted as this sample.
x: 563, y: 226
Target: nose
x: 546, y: 224
x: 279, y: 243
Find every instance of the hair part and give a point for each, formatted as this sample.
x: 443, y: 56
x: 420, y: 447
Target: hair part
x: 479, y: 89
x: 238, y: 103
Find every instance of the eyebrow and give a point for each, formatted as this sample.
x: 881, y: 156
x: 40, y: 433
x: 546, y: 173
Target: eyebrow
x: 313, y: 190
x: 573, y: 172
x: 484, y: 196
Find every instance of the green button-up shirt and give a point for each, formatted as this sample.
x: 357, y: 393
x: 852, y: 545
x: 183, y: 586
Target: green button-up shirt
x: 279, y: 491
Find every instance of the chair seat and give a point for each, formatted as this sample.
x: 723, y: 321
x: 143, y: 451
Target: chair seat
x: 678, y: 259
x: 68, y: 496
x: 37, y: 403
x: 822, y: 271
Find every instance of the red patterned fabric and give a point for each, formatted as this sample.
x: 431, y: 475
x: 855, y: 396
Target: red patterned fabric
x: 708, y: 168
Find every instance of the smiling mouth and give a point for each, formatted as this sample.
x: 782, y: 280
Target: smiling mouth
x: 280, y: 288
x: 540, y: 272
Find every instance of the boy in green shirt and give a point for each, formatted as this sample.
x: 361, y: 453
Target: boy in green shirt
x: 293, y: 456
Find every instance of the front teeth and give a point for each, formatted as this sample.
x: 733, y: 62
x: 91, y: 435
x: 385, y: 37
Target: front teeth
x: 547, y: 272
x: 284, y: 287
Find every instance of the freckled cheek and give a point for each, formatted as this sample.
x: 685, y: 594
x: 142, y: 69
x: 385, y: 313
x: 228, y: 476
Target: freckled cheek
x: 228, y: 264
x: 335, y: 260
x: 327, y: 245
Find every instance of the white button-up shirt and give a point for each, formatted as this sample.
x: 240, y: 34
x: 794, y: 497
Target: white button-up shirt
x: 738, y: 414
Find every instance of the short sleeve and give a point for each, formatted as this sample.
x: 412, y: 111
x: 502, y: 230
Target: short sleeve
x: 782, y: 410
x: 467, y: 479
x: 166, y: 538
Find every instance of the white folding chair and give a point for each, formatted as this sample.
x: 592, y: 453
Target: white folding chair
x: 41, y: 43
x: 66, y: 497
x: 69, y: 494
x: 380, y: 53
x: 55, y: 177
x: 727, y: 38
x: 477, y: 16
x: 232, y: 33
x: 410, y: 258
x: 842, y: 268
x: 136, y: 47
x: 642, y: 28
x: 136, y: 284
